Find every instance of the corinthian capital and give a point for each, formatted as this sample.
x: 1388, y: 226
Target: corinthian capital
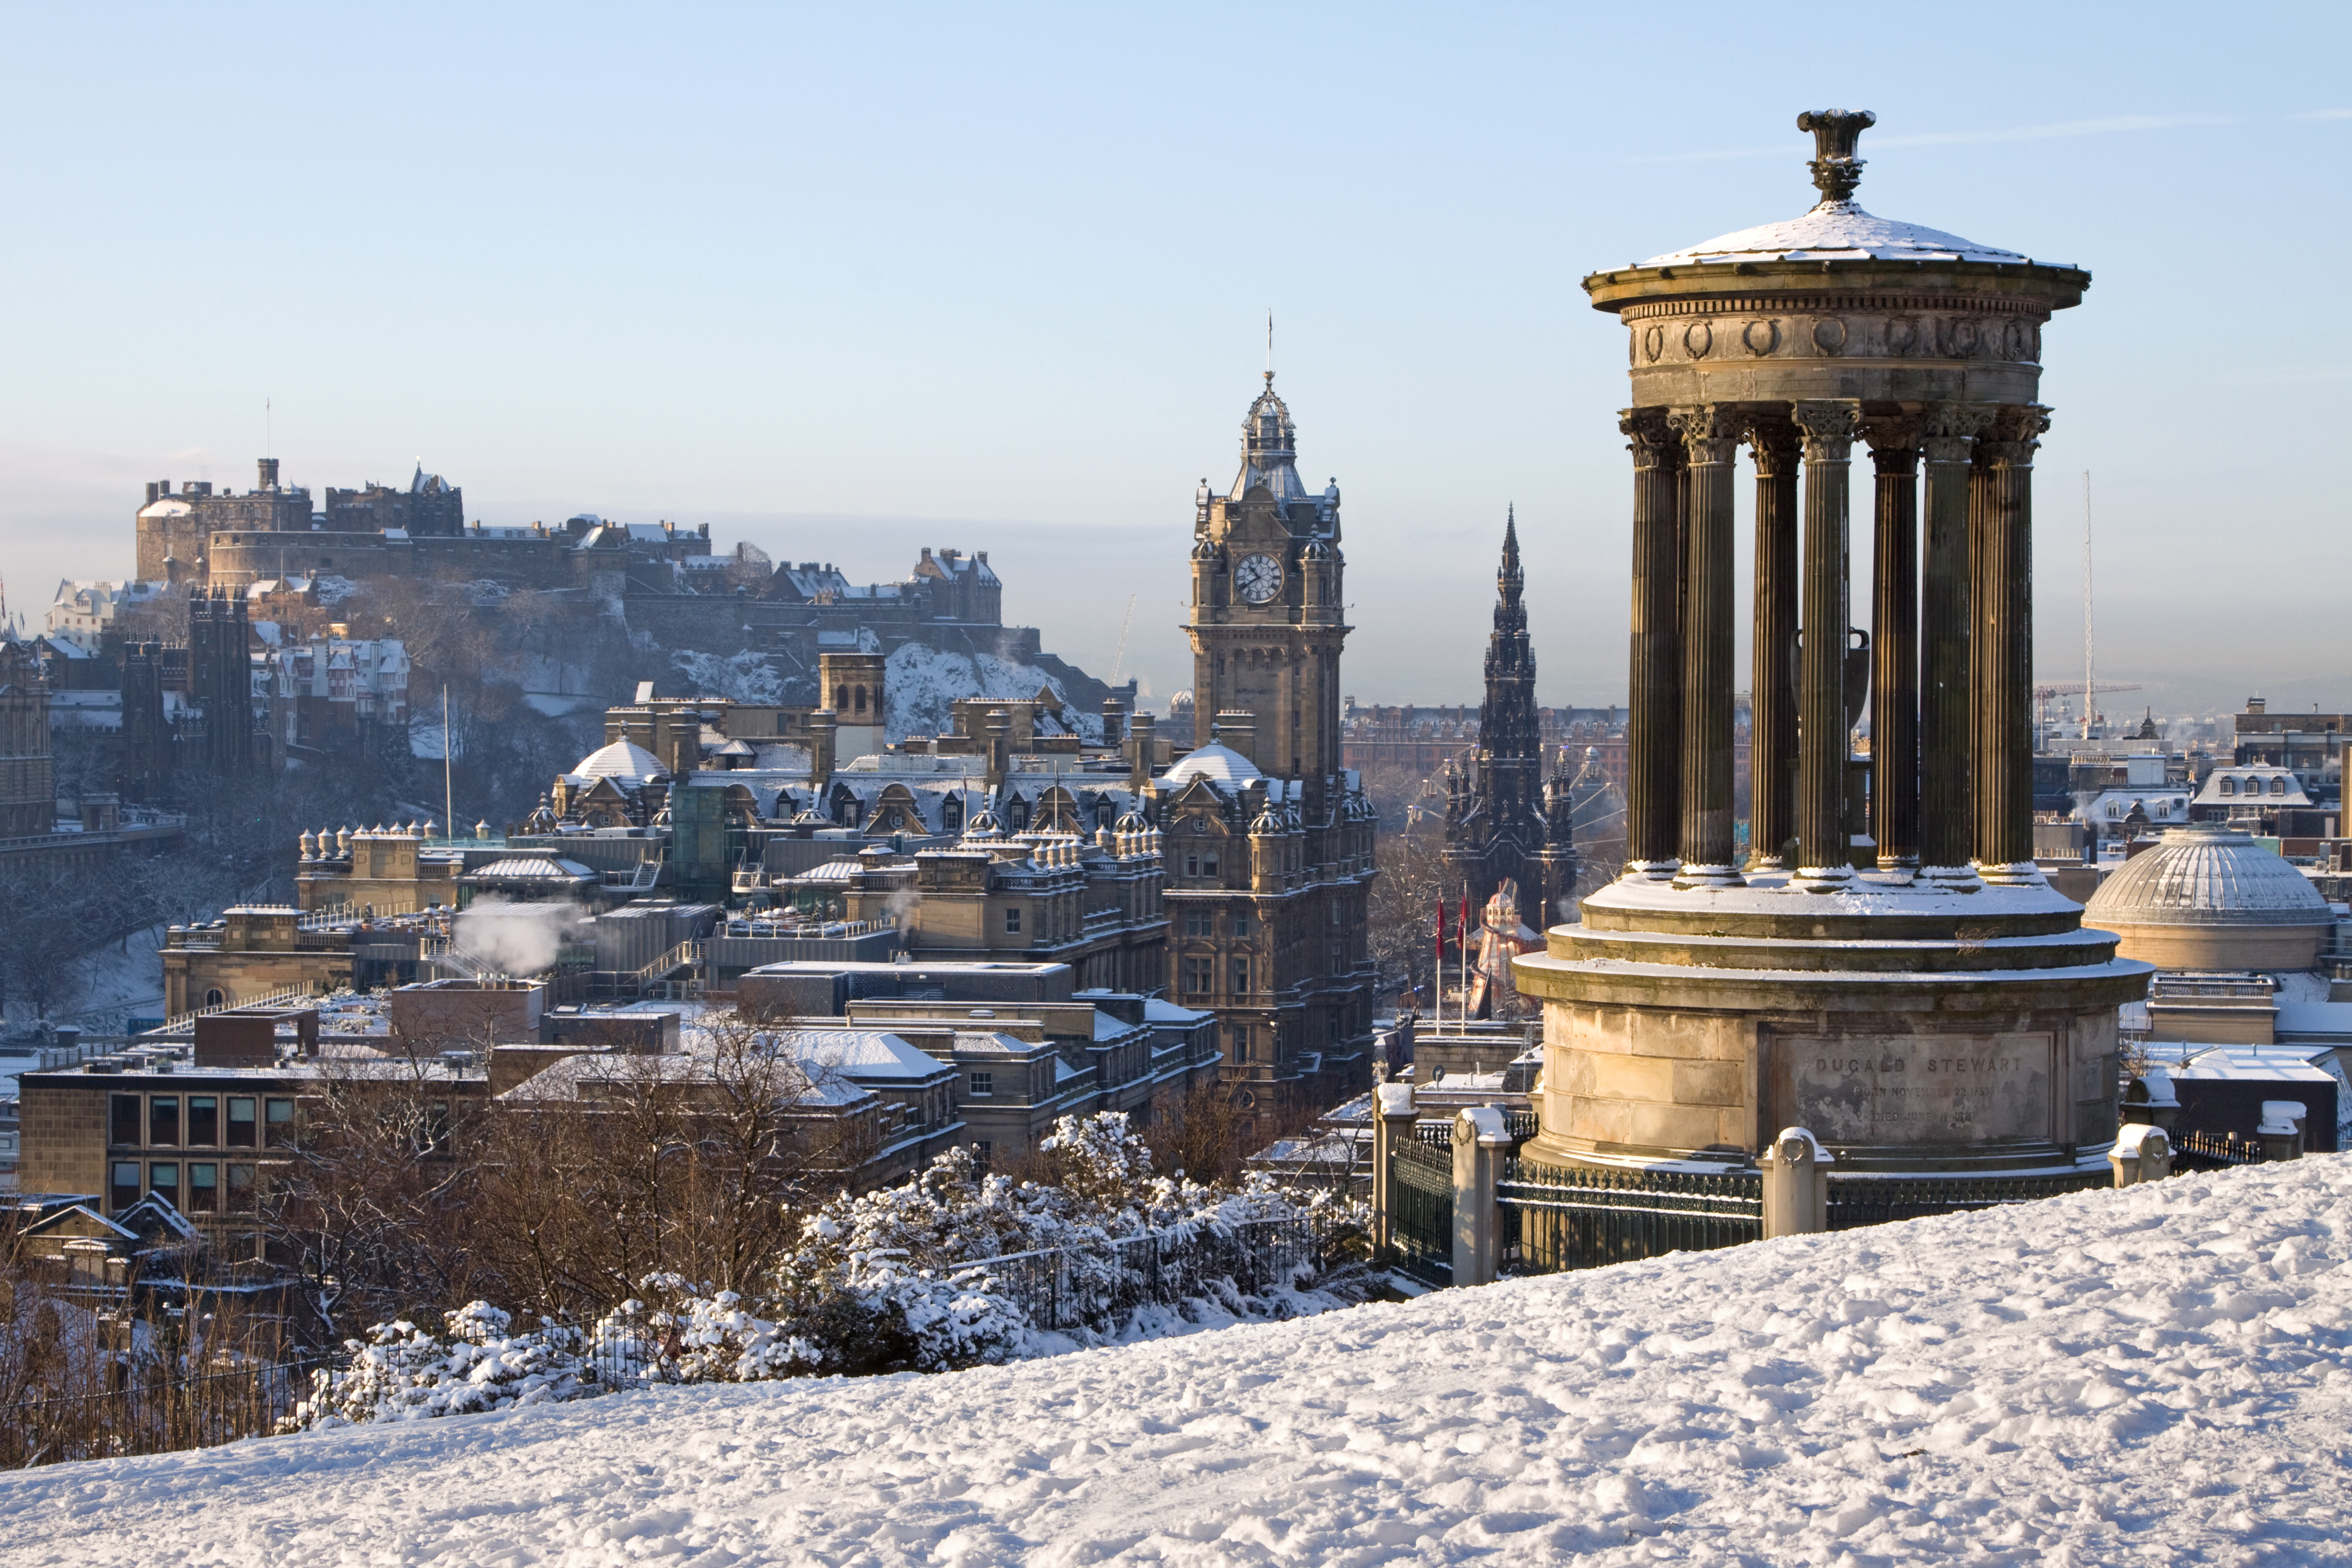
x: 1828, y: 427
x: 1774, y: 440
x: 1649, y: 438
x: 1948, y: 430
x: 1710, y: 432
x: 2011, y: 437
x: 1894, y: 441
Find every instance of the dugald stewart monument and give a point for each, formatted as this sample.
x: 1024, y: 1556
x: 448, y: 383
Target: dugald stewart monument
x: 1881, y: 962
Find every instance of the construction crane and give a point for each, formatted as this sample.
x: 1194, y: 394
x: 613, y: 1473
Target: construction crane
x: 2046, y: 695
x: 1118, y: 661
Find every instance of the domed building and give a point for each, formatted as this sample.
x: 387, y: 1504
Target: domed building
x: 2208, y: 898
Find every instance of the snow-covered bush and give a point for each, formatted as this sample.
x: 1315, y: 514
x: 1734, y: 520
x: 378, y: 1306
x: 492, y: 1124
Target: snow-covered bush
x: 681, y: 1333
x: 401, y: 1373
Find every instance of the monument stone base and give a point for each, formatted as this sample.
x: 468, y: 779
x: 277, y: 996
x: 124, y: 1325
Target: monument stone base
x: 1914, y: 1028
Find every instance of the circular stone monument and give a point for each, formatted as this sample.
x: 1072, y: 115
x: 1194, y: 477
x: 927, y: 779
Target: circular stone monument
x: 1883, y: 965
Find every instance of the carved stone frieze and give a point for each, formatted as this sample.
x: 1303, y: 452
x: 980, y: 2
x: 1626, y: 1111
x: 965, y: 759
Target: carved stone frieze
x: 1980, y: 336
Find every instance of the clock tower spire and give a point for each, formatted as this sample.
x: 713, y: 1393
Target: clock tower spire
x: 1268, y: 615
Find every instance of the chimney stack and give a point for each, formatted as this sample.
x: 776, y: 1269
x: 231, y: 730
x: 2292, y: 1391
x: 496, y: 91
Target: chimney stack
x: 1237, y: 732
x: 819, y: 731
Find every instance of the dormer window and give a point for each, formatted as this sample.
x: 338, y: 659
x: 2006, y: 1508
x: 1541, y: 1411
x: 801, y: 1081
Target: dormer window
x: 2278, y: 785
x: 2229, y: 786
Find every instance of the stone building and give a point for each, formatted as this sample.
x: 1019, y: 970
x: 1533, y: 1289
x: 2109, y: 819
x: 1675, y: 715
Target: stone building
x: 1886, y: 965
x: 429, y: 507
x: 1504, y: 820
x: 221, y: 677
x: 1268, y: 836
x: 174, y: 529
x: 28, y: 791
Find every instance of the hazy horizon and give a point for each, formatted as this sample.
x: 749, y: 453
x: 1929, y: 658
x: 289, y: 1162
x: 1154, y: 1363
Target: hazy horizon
x: 850, y: 283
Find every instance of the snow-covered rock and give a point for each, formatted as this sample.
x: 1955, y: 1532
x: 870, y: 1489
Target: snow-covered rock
x: 2152, y: 1376
x: 921, y: 685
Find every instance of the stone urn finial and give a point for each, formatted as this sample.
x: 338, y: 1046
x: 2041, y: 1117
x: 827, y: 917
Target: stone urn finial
x: 1836, y: 170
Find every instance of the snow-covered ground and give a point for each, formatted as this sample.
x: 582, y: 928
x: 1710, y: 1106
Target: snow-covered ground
x: 2157, y: 1376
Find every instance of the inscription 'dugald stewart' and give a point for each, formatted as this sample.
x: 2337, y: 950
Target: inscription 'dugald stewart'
x: 1964, y: 1090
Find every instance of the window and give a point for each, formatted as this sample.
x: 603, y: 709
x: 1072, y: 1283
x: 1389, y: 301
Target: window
x: 1208, y: 865
x: 213, y: 998
x: 2115, y: 808
x: 203, y: 1120
x: 1192, y: 865
x: 1012, y: 921
x: 1241, y: 1045
x: 1241, y: 976
x: 1196, y: 977
x: 240, y: 1189
x: 163, y: 1121
x: 163, y: 1178
x: 2278, y: 785
x: 1242, y: 923
x: 1199, y: 922
x: 281, y: 1116
x: 982, y: 1150
x: 203, y: 1189
x: 240, y: 1121
x: 123, y: 1184
x: 984, y: 1084
x: 123, y: 1125
x: 2229, y: 786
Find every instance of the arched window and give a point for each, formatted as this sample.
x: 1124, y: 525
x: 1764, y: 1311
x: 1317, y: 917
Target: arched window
x: 2278, y: 785
x: 2229, y: 786
x: 841, y: 698
x: 213, y: 998
x: 861, y: 699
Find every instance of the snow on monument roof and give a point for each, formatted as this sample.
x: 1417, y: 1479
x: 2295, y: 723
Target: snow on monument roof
x: 1836, y: 231
x: 623, y: 762
x: 1216, y: 762
x: 2039, y: 1383
x: 2205, y: 876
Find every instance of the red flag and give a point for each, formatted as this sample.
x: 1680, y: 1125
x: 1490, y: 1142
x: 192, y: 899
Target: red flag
x: 1465, y: 921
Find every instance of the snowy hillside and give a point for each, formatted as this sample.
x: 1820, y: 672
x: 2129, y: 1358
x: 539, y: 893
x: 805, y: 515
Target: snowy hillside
x: 923, y: 683
x: 2157, y: 1376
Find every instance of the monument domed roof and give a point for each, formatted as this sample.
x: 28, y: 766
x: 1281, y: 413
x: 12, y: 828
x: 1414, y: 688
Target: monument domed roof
x: 1218, y: 764
x: 623, y: 761
x: 2207, y: 876
x: 1835, y: 231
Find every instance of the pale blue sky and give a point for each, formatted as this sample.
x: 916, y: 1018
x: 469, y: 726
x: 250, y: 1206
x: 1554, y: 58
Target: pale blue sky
x: 850, y: 280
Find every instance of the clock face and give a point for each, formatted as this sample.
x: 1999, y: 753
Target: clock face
x: 1259, y: 578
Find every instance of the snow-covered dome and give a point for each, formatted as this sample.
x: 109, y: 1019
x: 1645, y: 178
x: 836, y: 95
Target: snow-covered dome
x: 1217, y: 763
x: 1836, y: 231
x: 982, y: 824
x: 625, y: 763
x: 2209, y: 897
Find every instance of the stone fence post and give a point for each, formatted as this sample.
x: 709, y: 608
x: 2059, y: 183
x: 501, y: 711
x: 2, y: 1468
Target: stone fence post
x: 2281, y: 1128
x: 1796, y: 1184
x: 1481, y: 1139
x: 1392, y: 1121
x: 2143, y: 1152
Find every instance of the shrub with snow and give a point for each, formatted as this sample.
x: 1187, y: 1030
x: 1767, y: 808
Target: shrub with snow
x: 401, y: 1373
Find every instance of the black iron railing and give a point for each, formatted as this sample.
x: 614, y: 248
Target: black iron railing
x: 2212, y: 1151
x: 1091, y: 1286
x: 1557, y: 1217
x: 151, y: 1412
x: 1857, y: 1201
x: 1420, y: 1218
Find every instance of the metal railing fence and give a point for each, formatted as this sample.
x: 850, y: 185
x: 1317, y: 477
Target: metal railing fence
x: 1555, y: 1218
x: 1858, y: 1201
x: 157, y: 1415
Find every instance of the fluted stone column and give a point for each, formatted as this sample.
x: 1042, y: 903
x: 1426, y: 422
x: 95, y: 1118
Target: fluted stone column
x: 1710, y: 434
x: 1947, y: 808
x: 1823, y: 852
x: 2000, y: 662
x: 1654, y: 718
x: 1894, y: 641
x: 1772, y: 662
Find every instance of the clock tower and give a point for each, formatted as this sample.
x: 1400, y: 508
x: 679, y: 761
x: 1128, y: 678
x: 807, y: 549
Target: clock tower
x: 1267, y: 616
